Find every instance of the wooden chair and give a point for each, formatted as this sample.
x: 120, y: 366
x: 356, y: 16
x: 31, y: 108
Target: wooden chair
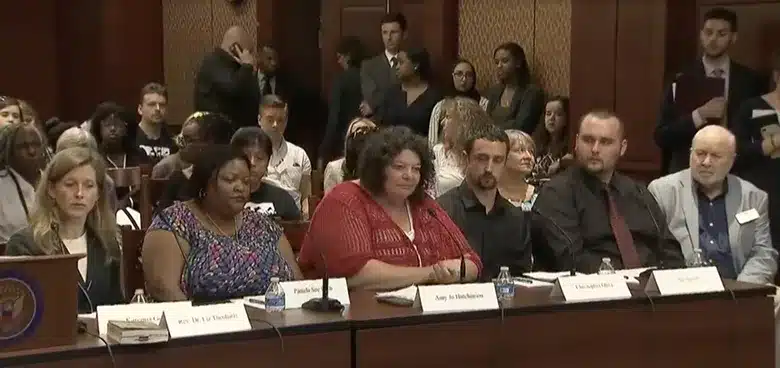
x: 132, y: 269
x: 295, y: 231
x: 317, y: 183
x: 151, y: 192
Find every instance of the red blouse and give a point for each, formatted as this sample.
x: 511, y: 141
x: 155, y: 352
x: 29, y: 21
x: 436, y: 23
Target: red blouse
x: 349, y: 228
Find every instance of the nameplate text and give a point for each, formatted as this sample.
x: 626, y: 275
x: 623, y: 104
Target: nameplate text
x: 458, y: 297
x: 205, y: 320
x: 298, y: 292
x: 591, y: 287
x: 142, y: 312
x: 696, y: 280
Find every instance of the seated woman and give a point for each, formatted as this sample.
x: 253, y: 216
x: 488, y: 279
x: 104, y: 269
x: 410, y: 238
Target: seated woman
x: 345, y: 168
x: 22, y: 157
x: 77, y: 137
x: 459, y: 115
x: 73, y: 216
x: 200, y: 130
x: 264, y: 197
x: 513, y: 184
x: 382, y: 231
x: 10, y: 111
x: 464, y: 84
x: 553, y: 152
x: 211, y: 248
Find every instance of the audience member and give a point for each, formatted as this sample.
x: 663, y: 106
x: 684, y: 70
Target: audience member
x: 464, y: 84
x: 411, y: 102
x: 226, y: 81
x: 513, y: 184
x: 22, y: 158
x: 345, y: 168
x: 600, y: 213
x: 220, y: 250
x: 72, y: 216
x: 553, y: 149
x: 378, y: 73
x: 495, y: 229
x: 677, y: 124
x: 382, y: 231
x: 10, y: 112
x: 515, y: 102
x: 153, y: 136
x: 264, y: 197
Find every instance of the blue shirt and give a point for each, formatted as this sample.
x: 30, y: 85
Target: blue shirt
x: 714, y: 233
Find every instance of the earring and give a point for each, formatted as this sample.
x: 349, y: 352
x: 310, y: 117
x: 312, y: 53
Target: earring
x: 202, y: 194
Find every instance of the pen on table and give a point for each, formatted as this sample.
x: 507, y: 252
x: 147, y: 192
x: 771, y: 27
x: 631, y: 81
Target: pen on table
x: 523, y: 280
x: 257, y: 301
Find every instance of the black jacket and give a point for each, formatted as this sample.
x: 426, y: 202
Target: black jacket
x: 224, y: 86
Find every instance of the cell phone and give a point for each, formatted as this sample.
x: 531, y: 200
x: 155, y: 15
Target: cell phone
x: 236, y: 50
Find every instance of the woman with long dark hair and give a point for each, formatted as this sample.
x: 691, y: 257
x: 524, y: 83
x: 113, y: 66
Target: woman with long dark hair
x: 515, y: 102
x: 552, y: 139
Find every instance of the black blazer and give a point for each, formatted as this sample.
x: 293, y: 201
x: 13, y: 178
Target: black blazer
x: 344, y: 105
x: 674, y: 132
x: 224, y: 86
x: 525, y: 110
x: 103, y: 283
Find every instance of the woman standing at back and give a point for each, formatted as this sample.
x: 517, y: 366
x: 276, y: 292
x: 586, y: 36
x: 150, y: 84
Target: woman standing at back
x: 515, y: 102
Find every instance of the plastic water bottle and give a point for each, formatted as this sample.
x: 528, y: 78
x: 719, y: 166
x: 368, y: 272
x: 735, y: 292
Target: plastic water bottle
x: 139, y: 297
x: 274, y: 296
x: 606, y: 267
x: 505, y: 286
x: 697, y: 259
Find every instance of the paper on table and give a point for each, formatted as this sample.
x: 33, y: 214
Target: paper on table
x: 632, y: 274
x: 548, y: 276
x: 252, y: 301
x: 408, y: 293
x: 92, y: 315
x: 530, y: 283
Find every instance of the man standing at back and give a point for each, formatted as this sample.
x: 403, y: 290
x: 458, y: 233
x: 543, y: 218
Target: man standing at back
x: 590, y: 212
x: 677, y: 126
x: 227, y: 80
x: 377, y: 74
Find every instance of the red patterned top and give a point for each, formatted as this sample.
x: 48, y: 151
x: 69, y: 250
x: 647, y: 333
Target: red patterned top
x: 349, y: 228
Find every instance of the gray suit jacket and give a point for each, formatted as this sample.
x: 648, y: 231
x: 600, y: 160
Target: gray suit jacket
x: 751, y: 245
x: 376, y: 77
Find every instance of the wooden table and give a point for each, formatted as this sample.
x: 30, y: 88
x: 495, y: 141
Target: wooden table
x: 709, y: 330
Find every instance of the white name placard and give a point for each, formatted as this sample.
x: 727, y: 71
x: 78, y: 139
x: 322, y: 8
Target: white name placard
x: 146, y: 312
x: 458, y: 297
x: 298, y: 292
x: 695, y: 280
x: 205, y: 320
x: 590, y: 288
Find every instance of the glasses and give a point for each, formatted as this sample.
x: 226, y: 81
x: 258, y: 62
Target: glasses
x: 463, y: 75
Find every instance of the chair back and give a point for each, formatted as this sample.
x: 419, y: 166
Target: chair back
x: 132, y: 269
x: 125, y: 177
x: 317, y: 183
x: 295, y: 231
x: 151, y: 192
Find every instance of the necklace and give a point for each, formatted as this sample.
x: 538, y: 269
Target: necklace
x: 124, y: 161
x: 235, y: 227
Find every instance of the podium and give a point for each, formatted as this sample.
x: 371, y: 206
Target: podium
x: 38, y: 301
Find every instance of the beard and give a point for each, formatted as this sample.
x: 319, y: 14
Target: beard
x: 487, y: 182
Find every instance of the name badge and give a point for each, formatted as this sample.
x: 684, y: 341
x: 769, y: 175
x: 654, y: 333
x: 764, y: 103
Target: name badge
x: 747, y: 216
x: 695, y: 280
x: 298, y: 292
x: 266, y: 208
x: 458, y: 298
x: 591, y: 287
x: 205, y: 320
x: 149, y: 312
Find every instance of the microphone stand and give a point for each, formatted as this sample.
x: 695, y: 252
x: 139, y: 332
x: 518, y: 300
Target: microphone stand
x: 324, y: 303
x: 570, y: 248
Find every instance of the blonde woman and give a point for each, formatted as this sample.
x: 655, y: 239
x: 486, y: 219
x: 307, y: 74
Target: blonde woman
x: 73, y: 216
x: 334, y: 170
x: 513, y: 184
x: 460, y: 114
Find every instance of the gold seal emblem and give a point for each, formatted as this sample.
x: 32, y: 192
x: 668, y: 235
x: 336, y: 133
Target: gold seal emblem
x: 20, y: 311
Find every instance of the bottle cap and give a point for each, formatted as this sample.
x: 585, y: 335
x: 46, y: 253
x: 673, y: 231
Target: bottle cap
x: 606, y: 259
x: 139, y: 291
x: 275, y: 279
x: 504, y: 268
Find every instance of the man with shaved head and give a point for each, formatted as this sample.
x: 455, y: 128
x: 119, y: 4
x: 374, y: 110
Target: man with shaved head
x: 726, y: 217
x: 226, y: 82
x: 590, y: 211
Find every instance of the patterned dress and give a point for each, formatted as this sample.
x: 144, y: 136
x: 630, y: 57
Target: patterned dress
x: 223, y: 267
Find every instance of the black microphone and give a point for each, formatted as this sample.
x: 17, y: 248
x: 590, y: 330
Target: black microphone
x: 55, y: 228
x: 462, y: 255
x: 323, y: 304
x: 570, y: 248
x: 659, y: 234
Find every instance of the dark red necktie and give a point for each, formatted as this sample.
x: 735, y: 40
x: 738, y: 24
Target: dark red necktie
x: 625, y: 242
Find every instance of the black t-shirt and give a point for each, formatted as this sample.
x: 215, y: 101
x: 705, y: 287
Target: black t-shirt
x: 275, y: 202
x: 156, y: 149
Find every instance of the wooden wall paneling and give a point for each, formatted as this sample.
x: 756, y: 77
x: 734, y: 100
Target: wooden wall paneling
x: 132, y: 48
x: 682, y: 36
x: 79, y: 61
x: 639, y: 76
x: 593, y: 49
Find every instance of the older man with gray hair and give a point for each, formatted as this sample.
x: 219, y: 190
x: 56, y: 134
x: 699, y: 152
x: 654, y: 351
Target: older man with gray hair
x: 726, y: 217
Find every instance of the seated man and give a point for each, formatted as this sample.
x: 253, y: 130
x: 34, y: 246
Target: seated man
x: 721, y: 214
x: 497, y: 230
x: 590, y: 212
x: 289, y: 167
